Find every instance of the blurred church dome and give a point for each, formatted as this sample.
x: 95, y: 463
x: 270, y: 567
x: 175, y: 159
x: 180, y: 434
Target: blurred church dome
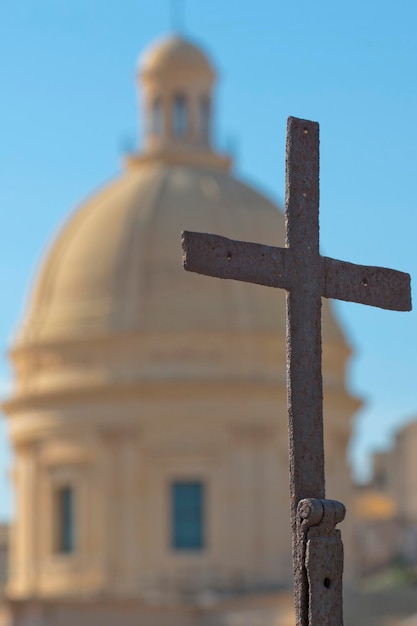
x: 116, y: 265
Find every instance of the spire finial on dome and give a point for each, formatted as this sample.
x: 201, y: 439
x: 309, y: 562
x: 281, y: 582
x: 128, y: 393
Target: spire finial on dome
x: 177, y: 16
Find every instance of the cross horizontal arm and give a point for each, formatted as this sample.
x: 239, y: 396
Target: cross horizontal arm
x: 375, y: 286
x: 221, y: 257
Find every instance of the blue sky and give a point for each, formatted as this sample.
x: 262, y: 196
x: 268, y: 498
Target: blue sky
x: 69, y: 111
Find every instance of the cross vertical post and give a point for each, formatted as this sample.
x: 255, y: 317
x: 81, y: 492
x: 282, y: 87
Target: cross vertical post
x: 304, y: 388
x: 307, y: 277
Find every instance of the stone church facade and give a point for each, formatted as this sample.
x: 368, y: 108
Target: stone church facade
x: 148, y: 417
x: 386, y: 508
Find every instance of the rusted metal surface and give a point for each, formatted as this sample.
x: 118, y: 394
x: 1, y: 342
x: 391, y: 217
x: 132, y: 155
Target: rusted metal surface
x: 322, y: 549
x: 307, y: 276
x: 304, y: 381
x: 214, y: 255
x: 220, y: 257
x: 375, y: 286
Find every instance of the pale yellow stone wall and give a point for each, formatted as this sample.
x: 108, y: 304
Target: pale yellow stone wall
x: 405, y: 458
x: 121, y: 457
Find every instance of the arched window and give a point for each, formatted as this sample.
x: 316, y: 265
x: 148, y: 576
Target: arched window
x: 204, y: 117
x: 179, y: 116
x: 157, y: 120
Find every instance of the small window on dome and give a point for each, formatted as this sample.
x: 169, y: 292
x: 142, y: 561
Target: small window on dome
x: 157, y: 117
x: 204, y: 117
x: 179, y: 116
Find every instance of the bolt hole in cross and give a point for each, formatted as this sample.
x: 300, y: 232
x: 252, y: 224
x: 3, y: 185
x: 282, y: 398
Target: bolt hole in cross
x: 327, y: 583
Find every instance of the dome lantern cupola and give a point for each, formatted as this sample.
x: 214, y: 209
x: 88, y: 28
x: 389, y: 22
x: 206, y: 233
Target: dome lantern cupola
x: 176, y: 84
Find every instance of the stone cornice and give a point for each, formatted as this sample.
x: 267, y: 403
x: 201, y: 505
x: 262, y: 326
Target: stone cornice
x: 190, y: 158
x: 179, y: 388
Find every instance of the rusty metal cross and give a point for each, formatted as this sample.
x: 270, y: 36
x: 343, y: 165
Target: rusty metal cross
x: 307, y: 277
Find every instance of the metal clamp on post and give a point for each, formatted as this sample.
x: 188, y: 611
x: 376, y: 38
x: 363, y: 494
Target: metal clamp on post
x: 322, y: 549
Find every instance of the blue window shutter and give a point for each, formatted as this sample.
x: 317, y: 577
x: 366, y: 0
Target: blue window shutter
x: 187, y: 510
